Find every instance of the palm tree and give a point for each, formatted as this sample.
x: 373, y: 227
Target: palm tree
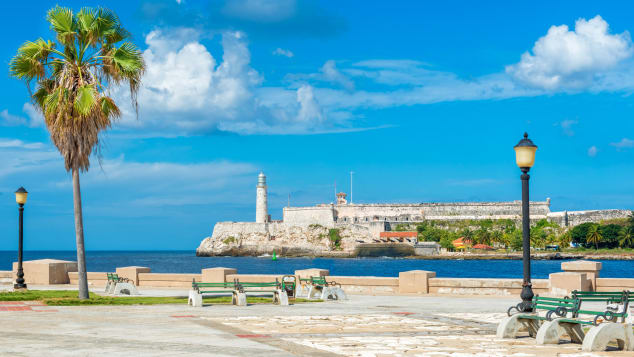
x: 594, y: 235
x: 626, y: 237
x: 72, y: 76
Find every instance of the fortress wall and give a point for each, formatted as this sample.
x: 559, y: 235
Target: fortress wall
x: 227, y: 229
x: 575, y: 218
x: 304, y: 216
x: 578, y: 217
x: 438, y: 211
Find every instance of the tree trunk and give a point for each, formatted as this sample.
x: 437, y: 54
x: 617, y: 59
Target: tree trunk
x: 79, y: 237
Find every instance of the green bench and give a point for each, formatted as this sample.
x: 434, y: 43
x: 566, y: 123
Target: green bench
x: 276, y: 289
x: 119, y: 286
x: 238, y: 291
x: 544, y: 309
x: 603, y: 323
x: 316, y: 287
x: 569, y: 315
x: 200, y: 289
x: 617, y: 303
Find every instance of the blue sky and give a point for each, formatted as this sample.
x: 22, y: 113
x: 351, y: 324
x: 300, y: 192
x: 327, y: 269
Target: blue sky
x: 423, y: 101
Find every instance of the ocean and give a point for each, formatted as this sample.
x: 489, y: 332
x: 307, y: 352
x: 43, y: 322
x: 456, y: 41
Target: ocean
x: 188, y: 262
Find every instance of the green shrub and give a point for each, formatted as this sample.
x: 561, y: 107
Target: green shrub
x: 335, y: 238
x: 229, y: 240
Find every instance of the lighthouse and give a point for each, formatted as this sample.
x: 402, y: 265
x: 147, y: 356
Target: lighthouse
x: 261, y: 209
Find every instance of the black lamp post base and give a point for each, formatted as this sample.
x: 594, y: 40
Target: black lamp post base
x: 19, y: 286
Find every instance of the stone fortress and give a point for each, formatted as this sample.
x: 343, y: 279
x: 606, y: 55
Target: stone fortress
x: 305, y: 230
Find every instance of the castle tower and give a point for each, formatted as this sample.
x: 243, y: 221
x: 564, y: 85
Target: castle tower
x: 261, y: 209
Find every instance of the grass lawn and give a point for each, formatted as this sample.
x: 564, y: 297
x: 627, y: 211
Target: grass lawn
x: 69, y: 298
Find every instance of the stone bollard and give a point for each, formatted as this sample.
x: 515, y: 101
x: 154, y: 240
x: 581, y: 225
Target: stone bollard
x: 216, y: 275
x: 46, y: 271
x: 562, y: 284
x: 590, y: 268
x: 307, y: 273
x: 415, y: 281
x: 132, y: 273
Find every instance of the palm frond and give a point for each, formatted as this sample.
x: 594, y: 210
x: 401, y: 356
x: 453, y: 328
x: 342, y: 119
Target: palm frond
x: 63, y: 23
x: 85, y: 100
x: 109, y: 108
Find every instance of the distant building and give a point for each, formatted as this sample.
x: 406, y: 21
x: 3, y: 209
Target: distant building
x: 482, y: 247
x: 462, y: 243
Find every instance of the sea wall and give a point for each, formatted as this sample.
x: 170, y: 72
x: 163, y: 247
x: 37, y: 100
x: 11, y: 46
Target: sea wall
x: 575, y: 275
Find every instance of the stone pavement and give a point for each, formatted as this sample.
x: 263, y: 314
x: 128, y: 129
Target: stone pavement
x: 361, y: 326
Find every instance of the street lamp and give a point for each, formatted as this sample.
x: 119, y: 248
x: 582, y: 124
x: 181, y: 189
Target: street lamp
x: 525, y: 158
x: 20, y: 198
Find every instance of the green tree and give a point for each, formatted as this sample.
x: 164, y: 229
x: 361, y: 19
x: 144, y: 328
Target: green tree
x: 71, y: 78
x: 626, y: 237
x: 565, y: 239
x: 580, y: 232
x: 447, y: 242
x: 610, y: 233
x: 516, y: 240
x: 594, y: 236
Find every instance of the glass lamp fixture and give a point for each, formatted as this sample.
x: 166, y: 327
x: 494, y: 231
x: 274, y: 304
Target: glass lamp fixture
x: 20, y: 196
x: 525, y: 152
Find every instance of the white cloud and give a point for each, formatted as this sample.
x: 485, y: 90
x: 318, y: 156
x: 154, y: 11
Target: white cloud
x: 332, y: 74
x: 567, y: 125
x: 19, y: 156
x: 282, y: 52
x: 624, y: 144
x: 571, y: 59
x: 35, y: 118
x: 186, y: 91
x: 10, y: 119
x: 309, y: 108
x: 592, y: 151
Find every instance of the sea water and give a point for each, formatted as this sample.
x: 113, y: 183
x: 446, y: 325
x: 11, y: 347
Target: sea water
x: 188, y: 262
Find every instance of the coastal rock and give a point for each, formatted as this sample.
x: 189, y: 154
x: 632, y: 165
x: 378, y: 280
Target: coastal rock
x: 254, y: 239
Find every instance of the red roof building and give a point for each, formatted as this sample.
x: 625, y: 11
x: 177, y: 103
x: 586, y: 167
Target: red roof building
x: 461, y: 243
x: 483, y: 247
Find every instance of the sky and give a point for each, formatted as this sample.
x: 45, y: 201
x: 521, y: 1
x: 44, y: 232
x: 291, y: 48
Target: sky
x: 423, y: 101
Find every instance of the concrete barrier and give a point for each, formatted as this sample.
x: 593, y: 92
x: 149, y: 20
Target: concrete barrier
x: 409, y: 282
x: 94, y: 278
x: 466, y: 286
x: 366, y: 285
x: 217, y: 275
x: 132, y: 273
x: 46, y: 271
x: 168, y: 280
x: 614, y: 284
x: 562, y: 284
x: 415, y: 281
x: 590, y: 268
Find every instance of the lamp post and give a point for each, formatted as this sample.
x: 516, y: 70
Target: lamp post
x: 525, y: 158
x: 20, y: 198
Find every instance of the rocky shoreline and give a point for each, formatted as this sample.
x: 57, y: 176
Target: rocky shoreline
x: 299, y: 253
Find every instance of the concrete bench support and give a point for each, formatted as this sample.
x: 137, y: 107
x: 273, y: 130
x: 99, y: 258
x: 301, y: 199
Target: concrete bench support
x: 195, y: 299
x: 598, y: 337
x: 239, y: 299
x: 123, y: 288
x: 551, y: 332
x: 280, y: 298
x: 512, y: 325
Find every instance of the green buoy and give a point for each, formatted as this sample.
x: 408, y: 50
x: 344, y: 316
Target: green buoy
x: 274, y: 256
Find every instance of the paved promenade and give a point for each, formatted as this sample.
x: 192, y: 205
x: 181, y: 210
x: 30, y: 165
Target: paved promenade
x: 361, y: 326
